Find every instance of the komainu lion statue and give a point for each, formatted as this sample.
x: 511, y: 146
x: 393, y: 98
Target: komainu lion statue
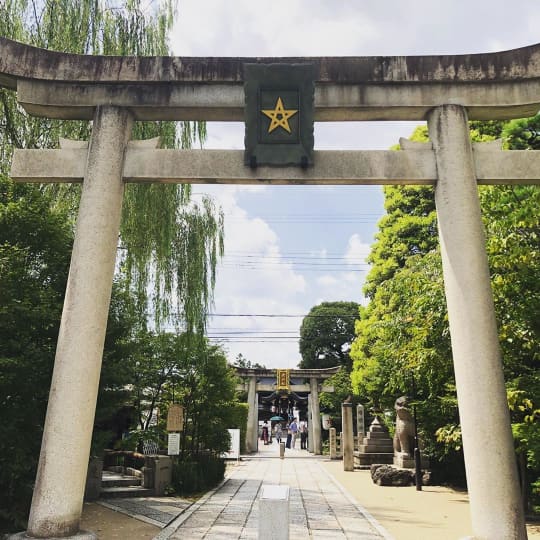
x: 404, y: 435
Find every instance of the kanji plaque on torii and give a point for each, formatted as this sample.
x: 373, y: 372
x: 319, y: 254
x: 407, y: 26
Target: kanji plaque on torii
x: 283, y: 379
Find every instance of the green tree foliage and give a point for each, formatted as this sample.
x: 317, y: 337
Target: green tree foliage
x: 182, y: 368
x: 404, y: 330
x: 207, y: 390
x: 239, y: 416
x: 326, y: 335
x: 153, y: 365
x: 35, y: 247
x: 330, y: 402
x: 242, y: 362
x: 160, y: 224
x: 35, y: 243
x: 408, y: 228
x: 160, y: 227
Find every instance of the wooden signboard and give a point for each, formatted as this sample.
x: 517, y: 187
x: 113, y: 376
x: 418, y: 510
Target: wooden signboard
x: 175, y: 418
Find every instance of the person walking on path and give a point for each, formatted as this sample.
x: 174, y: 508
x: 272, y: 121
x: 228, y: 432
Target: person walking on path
x: 293, y: 428
x: 278, y: 432
x: 303, y: 435
x: 289, y: 436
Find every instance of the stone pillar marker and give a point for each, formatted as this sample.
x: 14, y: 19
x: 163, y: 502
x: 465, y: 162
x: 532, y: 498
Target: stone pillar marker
x: 496, y: 507
x: 347, y: 436
x: 332, y: 442
x: 316, y: 416
x: 310, y: 425
x: 58, y: 494
x: 360, y: 423
x: 253, y: 414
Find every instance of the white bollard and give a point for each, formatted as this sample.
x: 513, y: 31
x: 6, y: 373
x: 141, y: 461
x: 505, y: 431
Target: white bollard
x: 274, y: 513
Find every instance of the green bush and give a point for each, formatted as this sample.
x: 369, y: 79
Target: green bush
x: 238, y: 417
x: 195, y: 476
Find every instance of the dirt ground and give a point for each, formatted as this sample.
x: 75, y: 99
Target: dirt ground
x: 435, y: 513
x: 111, y: 525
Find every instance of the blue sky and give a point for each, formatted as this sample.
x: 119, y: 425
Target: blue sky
x: 289, y: 248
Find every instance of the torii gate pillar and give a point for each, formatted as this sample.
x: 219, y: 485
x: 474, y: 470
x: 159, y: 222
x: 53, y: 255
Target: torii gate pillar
x: 253, y: 416
x: 485, y: 420
x: 57, y: 505
x: 315, y: 416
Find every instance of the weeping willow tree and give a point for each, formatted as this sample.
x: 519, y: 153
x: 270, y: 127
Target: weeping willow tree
x: 169, y: 245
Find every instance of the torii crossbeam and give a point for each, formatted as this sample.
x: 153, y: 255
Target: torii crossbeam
x: 114, y: 91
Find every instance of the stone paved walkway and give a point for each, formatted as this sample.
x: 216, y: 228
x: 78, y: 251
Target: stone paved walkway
x: 319, y: 507
x: 157, y: 511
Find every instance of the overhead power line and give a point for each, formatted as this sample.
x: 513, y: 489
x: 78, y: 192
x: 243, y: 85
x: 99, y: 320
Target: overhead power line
x: 212, y: 333
x: 239, y: 340
x: 280, y: 257
x: 282, y: 262
x: 308, y: 253
x: 276, y: 315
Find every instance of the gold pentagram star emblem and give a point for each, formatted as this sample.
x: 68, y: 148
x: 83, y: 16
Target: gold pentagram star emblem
x: 279, y: 116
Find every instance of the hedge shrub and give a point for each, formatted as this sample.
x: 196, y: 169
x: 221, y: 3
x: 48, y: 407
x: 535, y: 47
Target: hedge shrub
x: 190, y: 476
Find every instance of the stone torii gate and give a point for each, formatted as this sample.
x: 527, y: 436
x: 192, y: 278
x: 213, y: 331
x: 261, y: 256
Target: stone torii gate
x: 253, y: 386
x: 115, y: 91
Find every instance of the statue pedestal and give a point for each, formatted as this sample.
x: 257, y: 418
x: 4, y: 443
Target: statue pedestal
x: 405, y: 461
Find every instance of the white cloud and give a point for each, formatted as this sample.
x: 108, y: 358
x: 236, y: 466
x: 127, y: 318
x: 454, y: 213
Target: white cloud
x: 345, y: 285
x: 276, y: 28
x: 338, y: 27
x: 356, y: 250
x: 254, y: 280
x: 327, y: 281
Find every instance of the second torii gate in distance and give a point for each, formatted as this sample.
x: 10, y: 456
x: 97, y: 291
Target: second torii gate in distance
x: 115, y: 91
x: 253, y: 385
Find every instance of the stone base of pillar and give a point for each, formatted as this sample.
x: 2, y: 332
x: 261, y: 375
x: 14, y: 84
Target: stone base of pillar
x: 81, y: 535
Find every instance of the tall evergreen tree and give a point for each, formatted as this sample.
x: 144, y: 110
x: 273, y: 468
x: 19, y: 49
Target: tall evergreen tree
x: 326, y: 335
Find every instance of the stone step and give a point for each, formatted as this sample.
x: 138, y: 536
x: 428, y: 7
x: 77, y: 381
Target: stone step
x: 375, y: 448
x: 121, y: 482
x: 113, y: 479
x: 377, y: 435
x: 125, y: 492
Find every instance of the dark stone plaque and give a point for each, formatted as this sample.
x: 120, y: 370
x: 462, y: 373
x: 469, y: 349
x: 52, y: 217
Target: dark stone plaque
x: 279, y: 114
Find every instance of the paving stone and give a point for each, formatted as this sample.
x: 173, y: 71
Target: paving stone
x: 334, y: 535
x: 330, y: 525
x: 192, y: 534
